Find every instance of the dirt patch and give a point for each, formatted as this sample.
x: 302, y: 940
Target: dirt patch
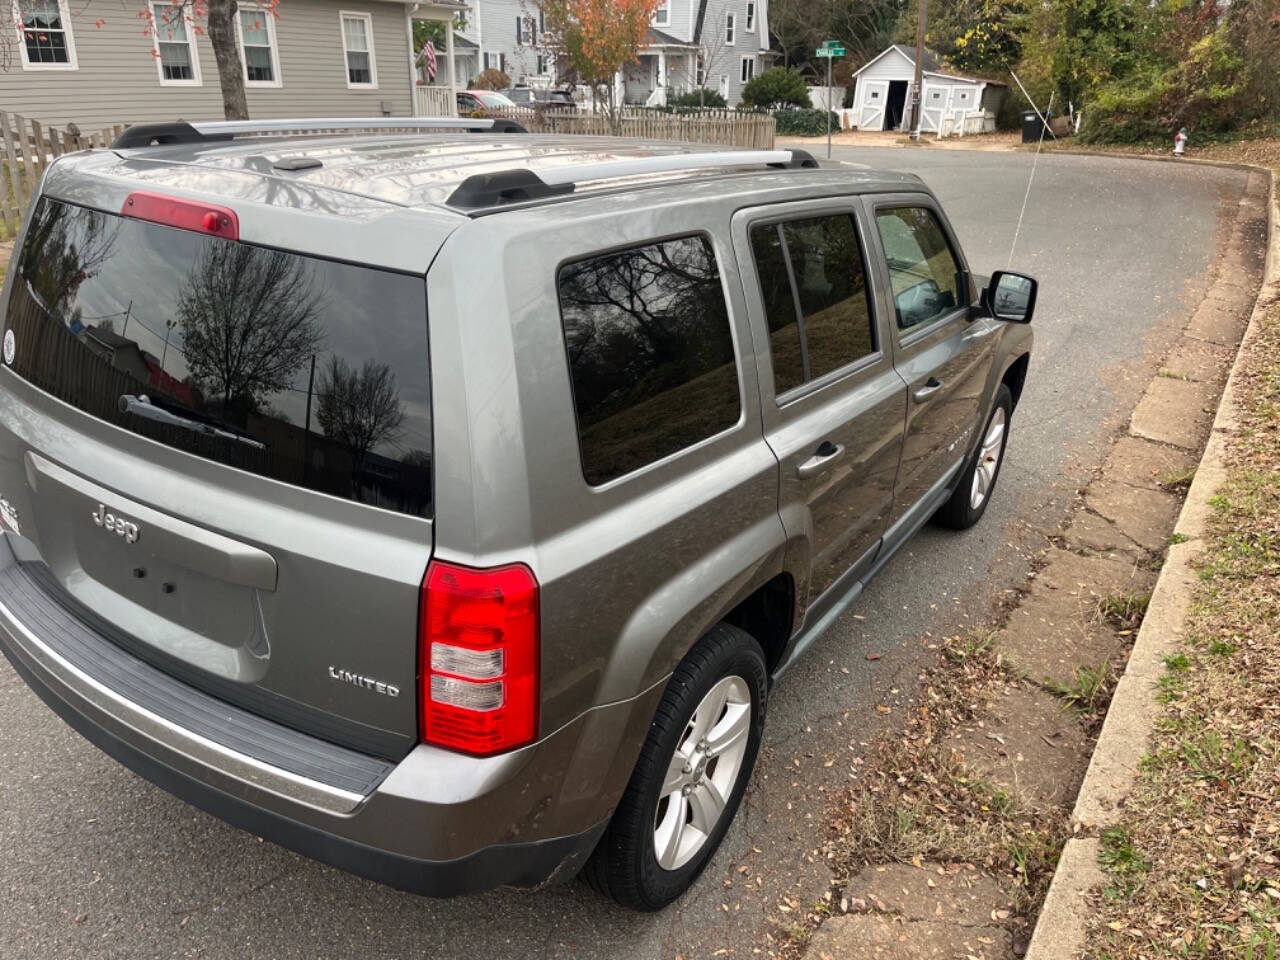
x: 1031, y: 744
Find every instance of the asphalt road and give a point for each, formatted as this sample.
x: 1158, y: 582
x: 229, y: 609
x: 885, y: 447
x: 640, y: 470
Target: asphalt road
x: 94, y: 862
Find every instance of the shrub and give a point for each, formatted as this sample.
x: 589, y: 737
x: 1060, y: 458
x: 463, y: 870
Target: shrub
x: 776, y: 88
x: 699, y: 98
x: 491, y: 79
x: 804, y: 123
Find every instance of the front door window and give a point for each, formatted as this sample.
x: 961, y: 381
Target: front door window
x: 924, y: 274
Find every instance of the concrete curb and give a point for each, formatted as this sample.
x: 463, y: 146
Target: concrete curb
x: 1125, y: 738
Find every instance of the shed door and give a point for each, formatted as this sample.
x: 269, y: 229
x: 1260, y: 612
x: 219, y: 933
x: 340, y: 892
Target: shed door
x: 874, y: 98
x: 933, y: 107
x: 963, y: 102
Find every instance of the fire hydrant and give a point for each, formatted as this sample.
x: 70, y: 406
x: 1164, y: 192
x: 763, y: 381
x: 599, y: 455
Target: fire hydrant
x: 1180, y: 143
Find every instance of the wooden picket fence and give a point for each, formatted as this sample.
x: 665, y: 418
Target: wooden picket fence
x: 729, y: 128
x: 28, y: 148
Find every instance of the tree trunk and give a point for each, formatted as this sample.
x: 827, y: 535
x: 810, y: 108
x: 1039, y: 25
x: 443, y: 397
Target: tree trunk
x: 222, y: 35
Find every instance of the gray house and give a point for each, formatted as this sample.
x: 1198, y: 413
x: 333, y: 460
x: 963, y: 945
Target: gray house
x: 720, y: 44
x: 317, y: 58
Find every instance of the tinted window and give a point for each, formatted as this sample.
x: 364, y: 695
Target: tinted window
x: 779, y: 307
x: 926, y: 278
x: 306, y: 371
x: 650, y: 353
x: 815, y: 296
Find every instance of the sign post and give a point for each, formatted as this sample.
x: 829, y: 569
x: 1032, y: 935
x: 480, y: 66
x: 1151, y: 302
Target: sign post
x: 830, y: 50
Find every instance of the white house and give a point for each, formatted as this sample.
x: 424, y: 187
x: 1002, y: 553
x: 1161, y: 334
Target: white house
x: 952, y: 103
x: 720, y: 44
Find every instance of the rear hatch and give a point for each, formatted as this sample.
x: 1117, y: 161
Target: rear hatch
x: 221, y: 455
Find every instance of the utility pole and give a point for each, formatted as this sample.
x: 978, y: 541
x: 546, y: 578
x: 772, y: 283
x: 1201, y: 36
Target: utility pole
x: 916, y: 99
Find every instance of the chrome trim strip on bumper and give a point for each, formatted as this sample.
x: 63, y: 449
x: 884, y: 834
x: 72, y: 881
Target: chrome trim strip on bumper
x: 169, y: 736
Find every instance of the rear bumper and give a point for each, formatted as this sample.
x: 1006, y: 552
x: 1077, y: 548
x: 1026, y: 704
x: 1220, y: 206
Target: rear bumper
x: 436, y: 823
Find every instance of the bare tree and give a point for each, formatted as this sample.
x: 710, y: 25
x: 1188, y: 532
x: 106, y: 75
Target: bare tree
x: 248, y: 318
x: 359, y: 408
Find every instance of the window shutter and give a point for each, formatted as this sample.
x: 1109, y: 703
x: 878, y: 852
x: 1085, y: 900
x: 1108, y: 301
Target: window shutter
x: 519, y: 31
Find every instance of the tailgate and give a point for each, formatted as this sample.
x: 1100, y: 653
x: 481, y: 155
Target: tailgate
x: 222, y: 453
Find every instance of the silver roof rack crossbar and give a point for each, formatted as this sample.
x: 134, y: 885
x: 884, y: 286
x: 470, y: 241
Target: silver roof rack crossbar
x: 670, y: 163
x: 488, y: 190
x: 153, y: 134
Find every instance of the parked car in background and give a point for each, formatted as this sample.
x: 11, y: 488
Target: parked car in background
x: 540, y: 99
x: 535, y: 464
x: 479, y: 101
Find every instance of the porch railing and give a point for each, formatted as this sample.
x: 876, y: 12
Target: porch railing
x: 435, y: 102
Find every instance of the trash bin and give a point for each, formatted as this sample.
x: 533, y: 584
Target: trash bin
x: 1033, y: 128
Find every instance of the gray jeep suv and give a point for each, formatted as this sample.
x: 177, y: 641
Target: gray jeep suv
x: 443, y: 504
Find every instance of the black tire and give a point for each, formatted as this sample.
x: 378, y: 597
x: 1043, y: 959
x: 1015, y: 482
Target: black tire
x: 959, y: 513
x: 625, y: 864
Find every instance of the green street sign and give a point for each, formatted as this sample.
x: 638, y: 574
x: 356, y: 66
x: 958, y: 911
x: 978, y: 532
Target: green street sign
x: 825, y: 51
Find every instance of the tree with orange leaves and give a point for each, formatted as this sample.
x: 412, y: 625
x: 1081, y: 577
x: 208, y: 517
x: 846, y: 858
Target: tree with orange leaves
x: 595, y: 39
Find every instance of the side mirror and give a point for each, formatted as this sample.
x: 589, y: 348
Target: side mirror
x: 1011, y: 296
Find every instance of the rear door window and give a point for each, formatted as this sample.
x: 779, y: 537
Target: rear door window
x: 650, y: 353
x: 814, y: 287
x: 307, y: 371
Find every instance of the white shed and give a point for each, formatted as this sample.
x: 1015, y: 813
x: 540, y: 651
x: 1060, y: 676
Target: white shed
x: 952, y: 103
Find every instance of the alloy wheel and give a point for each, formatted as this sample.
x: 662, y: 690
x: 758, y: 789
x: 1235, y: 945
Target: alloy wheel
x: 702, y: 772
x: 984, y: 474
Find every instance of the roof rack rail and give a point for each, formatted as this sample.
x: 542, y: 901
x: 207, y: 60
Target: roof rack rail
x: 485, y: 190
x: 163, y: 134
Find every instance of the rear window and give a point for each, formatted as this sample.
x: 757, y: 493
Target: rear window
x: 306, y: 371
x: 650, y: 353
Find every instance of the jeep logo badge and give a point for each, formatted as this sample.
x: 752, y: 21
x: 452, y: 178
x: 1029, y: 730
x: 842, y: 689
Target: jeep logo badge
x: 117, y: 525
x: 10, y: 346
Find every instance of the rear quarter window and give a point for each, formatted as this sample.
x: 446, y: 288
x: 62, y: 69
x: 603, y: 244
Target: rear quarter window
x: 650, y: 352
x: 307, y: 371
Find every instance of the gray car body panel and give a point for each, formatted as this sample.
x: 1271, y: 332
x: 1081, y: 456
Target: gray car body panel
x: 632, y: 573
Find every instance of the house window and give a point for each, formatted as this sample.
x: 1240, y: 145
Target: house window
x: 357, y: 47
x: 173, y: 38
x: 257, y: 31
x: 662, y: 16
x: 526, y: 31
x: 44, y: 35
x: 748, y: 68
x: 700, y: 70
x: 730, y: 28
x: 751, y: 17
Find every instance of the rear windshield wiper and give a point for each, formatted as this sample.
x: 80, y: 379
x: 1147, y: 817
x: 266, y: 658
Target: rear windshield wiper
x: 141, y: 406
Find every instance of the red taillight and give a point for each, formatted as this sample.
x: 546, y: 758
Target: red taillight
x: 478, y: 657
x: 183, y: 214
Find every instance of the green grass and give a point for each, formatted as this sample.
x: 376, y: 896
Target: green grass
x: 1087, y: 691
x: 1177, y: 481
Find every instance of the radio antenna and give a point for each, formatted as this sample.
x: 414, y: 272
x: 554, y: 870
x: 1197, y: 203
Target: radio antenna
x: 1044, y: 125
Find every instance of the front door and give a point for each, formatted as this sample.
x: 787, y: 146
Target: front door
x: 833, y: 406
x: 942, y: 355
x: 874, y: 97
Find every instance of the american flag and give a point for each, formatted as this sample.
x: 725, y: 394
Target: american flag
x: 429, y: 53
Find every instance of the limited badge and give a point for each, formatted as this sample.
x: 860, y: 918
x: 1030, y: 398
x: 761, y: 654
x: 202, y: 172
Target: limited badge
x: 10, y: 346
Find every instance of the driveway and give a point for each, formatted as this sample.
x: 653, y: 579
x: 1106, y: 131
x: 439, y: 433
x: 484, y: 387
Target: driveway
x: 97, y: 863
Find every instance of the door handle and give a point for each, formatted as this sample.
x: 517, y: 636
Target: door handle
x: 928, y: 390
x: 826, y: 452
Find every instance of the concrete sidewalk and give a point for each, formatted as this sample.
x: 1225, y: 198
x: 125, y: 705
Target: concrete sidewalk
x: 1127, y: 733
